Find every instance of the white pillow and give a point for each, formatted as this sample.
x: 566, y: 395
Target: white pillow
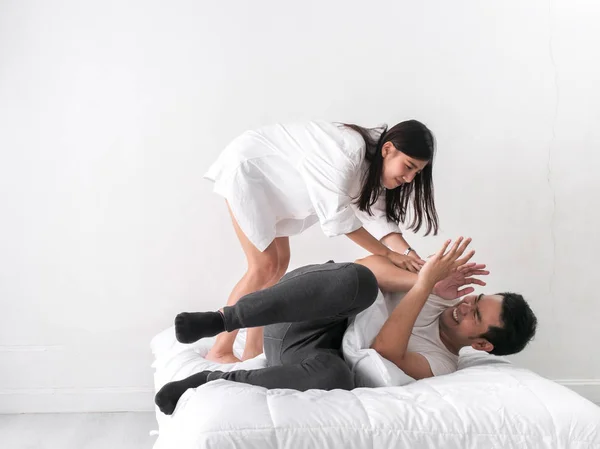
x: 369, y: 368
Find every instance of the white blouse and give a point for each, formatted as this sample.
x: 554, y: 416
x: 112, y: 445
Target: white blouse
x: 281, y: 179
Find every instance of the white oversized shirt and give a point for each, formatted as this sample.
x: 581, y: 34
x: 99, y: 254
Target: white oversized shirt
x: 281, y: 179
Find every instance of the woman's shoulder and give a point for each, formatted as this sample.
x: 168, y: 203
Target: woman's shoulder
x: 331, y: 140
x: 349, y: 141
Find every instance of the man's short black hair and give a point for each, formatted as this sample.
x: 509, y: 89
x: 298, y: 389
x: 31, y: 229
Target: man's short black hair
x: 519, y: 325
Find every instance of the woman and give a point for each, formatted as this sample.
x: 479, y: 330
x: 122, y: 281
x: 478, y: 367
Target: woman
x: 281, y: 179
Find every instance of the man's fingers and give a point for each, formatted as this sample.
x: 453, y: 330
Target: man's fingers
x: 477, y: 273
x: 474, y: 281
x: 454, y: 247
x: 472, y: 267
x: 465, y: 291
x: 468, y: 266
x: 442, y: 250
x: 462, y: 247
x: 465, y: 259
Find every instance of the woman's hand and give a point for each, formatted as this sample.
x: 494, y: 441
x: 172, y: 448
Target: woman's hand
x: 414, y: 255
x: 408, y: 263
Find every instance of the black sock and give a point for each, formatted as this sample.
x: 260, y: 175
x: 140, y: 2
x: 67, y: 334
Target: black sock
x: 168, y: 395
x: 190, y: 327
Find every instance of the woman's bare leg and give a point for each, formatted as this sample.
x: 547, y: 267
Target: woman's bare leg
x: 254, y: 336
x: 262, y: 268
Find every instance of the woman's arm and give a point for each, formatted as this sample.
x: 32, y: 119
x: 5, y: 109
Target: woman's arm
x: 397, y: 243
x: 388, y: 232
x: 362, y: 238
x: 389, y: 277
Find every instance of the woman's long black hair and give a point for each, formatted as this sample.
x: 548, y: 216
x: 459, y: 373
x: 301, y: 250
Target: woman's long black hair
x: 414, y: 139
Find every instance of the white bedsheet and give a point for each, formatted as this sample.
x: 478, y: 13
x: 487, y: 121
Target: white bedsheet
x: 488, y: 403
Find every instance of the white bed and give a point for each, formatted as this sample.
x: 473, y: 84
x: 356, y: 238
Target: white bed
x: 488, y: 403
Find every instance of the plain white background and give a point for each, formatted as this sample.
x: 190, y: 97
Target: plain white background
x: 110, y: 113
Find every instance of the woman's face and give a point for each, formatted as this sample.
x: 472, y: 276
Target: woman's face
x: 398, y: 168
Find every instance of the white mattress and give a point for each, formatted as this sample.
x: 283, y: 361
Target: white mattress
x: 488, y: 403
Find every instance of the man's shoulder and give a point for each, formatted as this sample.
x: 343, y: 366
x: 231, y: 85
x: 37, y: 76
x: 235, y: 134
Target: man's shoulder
x: 441, y: 361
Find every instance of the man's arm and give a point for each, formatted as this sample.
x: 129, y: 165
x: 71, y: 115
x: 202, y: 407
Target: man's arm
x: 392, y: 340
x: 393, y: 279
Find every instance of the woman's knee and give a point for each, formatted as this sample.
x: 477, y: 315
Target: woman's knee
x: 282, y: 267
x: 264, y: 268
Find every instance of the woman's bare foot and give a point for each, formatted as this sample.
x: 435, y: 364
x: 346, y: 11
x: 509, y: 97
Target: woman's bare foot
x: 251, y: 352
x: 254, y: 343
x: 221, y: 357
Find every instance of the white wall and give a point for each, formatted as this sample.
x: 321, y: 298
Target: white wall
x: 110, y: 112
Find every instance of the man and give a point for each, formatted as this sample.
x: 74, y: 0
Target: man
x: 307, y: 312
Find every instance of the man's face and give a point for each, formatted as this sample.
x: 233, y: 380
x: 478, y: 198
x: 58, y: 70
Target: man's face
x: 470, y: 318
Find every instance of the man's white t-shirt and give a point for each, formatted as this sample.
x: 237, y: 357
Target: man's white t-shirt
x: 425, y: 337
x: 370, y: 368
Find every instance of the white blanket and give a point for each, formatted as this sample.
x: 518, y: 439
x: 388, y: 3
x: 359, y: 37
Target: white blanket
x: 487, y: 403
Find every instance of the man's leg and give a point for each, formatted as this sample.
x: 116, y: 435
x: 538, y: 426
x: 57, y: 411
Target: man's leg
x: 301, y: 354
x: 315, y: 292
x: 322, y: 371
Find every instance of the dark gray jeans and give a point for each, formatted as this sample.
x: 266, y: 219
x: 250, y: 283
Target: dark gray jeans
x: 305, y: 316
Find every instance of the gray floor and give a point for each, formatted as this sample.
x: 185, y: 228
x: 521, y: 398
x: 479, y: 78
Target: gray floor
x: 77, y: 431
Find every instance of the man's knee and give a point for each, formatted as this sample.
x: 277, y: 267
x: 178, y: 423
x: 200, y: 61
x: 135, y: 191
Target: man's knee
x: 367, y: 288
x: 303, y: 270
